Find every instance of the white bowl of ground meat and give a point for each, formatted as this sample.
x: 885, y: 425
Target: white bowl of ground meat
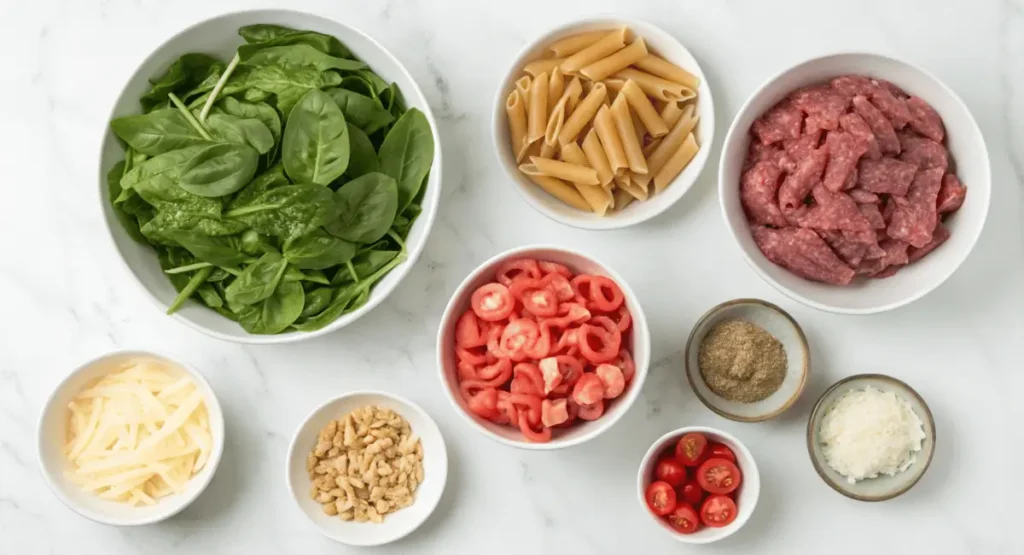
x: 855, y: 183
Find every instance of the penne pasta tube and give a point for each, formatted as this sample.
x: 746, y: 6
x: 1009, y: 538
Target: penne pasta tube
x: 556, y: 84
x: 634, y: 190
x: 516, y: 113
x: 599, y: 198
x: 639, y: 127
x: 670, y: 143
x: 610, y: 141
x: 614, y: 86
x: 572, y: 93
x: 671, y: 113
x: 532, y: 149
x: 566, y: 171
x: 611, y: 42
x: 653, y: 121
x: 573, y: 44
x: 667, y: 70
x: 523, y: 86
x: 654, y: 86
x: 621, y: 198
x: 597, y: 159
x: 547, y: 151
x: 583, y: 113
x: 537, y: 114
x: 555, y: 122
x: 561, y: 190
x: 616, y: 62
x: 547, y: 65
x: 675, y: 164
x: 627, y: 135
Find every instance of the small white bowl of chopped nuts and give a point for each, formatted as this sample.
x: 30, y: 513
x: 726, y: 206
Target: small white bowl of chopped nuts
x: 367, y: 468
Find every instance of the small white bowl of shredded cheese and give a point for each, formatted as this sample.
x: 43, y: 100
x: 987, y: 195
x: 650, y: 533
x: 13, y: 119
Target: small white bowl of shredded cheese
x: 871, y: 437
x: 130, y: 438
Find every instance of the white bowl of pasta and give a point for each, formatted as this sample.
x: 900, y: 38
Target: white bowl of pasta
x: 619, y: 133
x: 130, y: 438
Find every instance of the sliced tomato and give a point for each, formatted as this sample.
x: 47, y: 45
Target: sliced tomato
x: 527, y: 380
x: 625, y: 363
x: 522, y: 285
x: 661, y: 498
x: 540, y: 302
x: 581, y: 286
x: 531, y: 435
x: 554, y: 412
x: 497, y: 371
x: 494, y: 348
x: 690, y: 449
x: 684, y: 519
x: 528, y: 403
x: 622, y: 318
x: 718, y: 511
x: 569, y: 314
x: 519, y: 335
x: 474, y: 356
x: 589, y: 390
x: 510, y: 269
x: 720, y: 451
x: 574, y: 411
x: 571, y: 370
x: 691, y: 493
x: 468, y: 332
x: 552, y: 375
x: 605, y: 295
x: 597, y: 344
x: 720, y: 476
x: 484, y: 403
x: 611, y: 377
x: 591, y: 412
x: 560, y: 285
x: 500, y: 376
x: 670, y: 471
x: 467, y: 371
x: 549, y: 268
x: 492, y: 302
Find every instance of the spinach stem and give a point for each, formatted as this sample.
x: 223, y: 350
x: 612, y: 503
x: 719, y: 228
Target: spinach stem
x: 197, y: 279
x: 188, y: 116
x: 394, y: 236
x: 352, y: 271
x: 188, y: 268
x: 217, y: 88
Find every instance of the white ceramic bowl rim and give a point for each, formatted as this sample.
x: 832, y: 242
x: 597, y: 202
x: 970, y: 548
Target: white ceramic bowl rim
x: 413, y: 249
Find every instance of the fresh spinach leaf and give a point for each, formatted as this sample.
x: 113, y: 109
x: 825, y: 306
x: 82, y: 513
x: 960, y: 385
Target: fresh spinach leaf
x: 362, y: 111
x: 183, y: 75
x: 315, y: 146
x: 193, y: 284
x: 252, y: 110
x: 367, y: 205
x: 156, y: 181
x: 243, y: 131
x: 407, y: 153
x: 289, y: 83
x: 288, y: 212
x: 364, y: 264
x: 362, y: 156
x: 266, y: 35
x: 164, y: 223
x: 359, y: 85
x: 217, y: 250
x: 276, y: 313
x: 270, y: 179
x: 157, y: 132
x: 253, y: 243
x: 318, y: 250
x: 209, y: 295
x: 379, y: 85
x: 257, y: 282
x: 297, y: 54
x: 127, y: 221
x: 219, y: 170
x: 348, y: 297
x: 316, y: 301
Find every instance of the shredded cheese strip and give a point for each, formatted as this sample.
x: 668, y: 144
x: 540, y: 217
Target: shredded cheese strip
x: 138, y: 434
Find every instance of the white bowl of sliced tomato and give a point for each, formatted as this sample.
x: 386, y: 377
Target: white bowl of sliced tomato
x: 699, y: 484
x: 543, y: 348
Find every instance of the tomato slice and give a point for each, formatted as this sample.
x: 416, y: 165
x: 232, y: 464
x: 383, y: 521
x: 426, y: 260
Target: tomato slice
x: 484, y: 403
x: 495, y: 349
x: 692, y: 494
x: 501, y: 374
x: 581, y: 286
x: 720, y: 451
x: 591, y: 412
x: 531, y: 435
x: 526, y: 404
x: 473, y: 356
x: 661, y: 498
x: 605, y: 294
x: 684, y: 519
x: 622, y: 318
x: 527, y: 380
x: 611, y: 377
x: 492, y: 302
x: 560, y: 285
x: 625, y: 363
x: 719, y: 476
x: 554, y: 412
x: 690, y: 449
x: 670, y: 471
x: 540, y: 302
x: 589, y: 390
x: 519, y: 335
x: 548, y: 268
x: 468, y: 332
x: 466, y: 371
x: 571, y: 369
x: 597, y: 344
x: 510, y: 269
x: 718, y: 511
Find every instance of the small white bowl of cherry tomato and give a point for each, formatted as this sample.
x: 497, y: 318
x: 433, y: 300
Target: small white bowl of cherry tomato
x: 543, y: 348
x: 700, y: 484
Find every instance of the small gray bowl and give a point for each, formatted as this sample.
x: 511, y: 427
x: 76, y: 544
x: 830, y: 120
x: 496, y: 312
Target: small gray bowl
x: 883, y: 487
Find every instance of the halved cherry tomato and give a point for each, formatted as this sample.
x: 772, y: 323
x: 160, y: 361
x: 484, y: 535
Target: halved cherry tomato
x: 492, y: 302
x: 625, y: 363
x: 568, y: 314
x: 540, y: 302
x: 671, y: 472
x: 604, y: 294
x: 661, y: 498
x: 622, y: 318
x: 531, y: 435
x: 611, y: 377
x: 527, y: 379
x: 501, y: 374
x: 690, y: 449
x: 484, y: 403
x: 598, y: 345
x: 684, y: 519
x: 468, y: 332
x: 581, y: 285
x: 520, y: 286
x: 497, y: 370
x: 530, y: 404
x: 560, y: 285
x: 720, y: 476
x: 510, y: 269
x: 519, y: 335
x: 474, y: 356
x: 554, y: 268
x: 554, y: 412
x: 591, y: 412
x: 588, y: 390
x: 718, y: 511
x: 571, y: 370
x: 495, y: 349
x: 717, y: 450
x: 692, y: 494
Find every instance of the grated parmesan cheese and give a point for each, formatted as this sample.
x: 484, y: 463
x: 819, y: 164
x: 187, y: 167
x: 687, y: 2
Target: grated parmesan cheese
x: 869, y: 432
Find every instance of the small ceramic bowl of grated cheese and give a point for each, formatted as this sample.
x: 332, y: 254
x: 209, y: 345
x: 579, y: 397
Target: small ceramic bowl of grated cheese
x: 871, y: 437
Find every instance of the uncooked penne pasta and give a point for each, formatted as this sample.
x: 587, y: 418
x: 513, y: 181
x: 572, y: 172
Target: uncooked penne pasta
x: 555, y: 122
x: 614, y: 87
x: 604, y: 125
x: 671, y: 113
x: 599, y: 198
x: 635, y: 190
x: 621, y: 198
x: 616, y: 62
x: 627, y: 134
x: 659, y: 88
x: 653, y: 121
x: 571, y: 45
x: 639, y: 127
x: 547, y: 151
x: 546, y: 65
x: 670, y: 143
x: 582, y: 114
x: 667, y: 70
x: 611, y: 42
x: 597, y: 159
x: 537, y: 114
x: 523, y: 86
x: 556, y: 84
x: 562, y: 191
x: 572, y: 93
x: 565, y: 171
x: 675, y: 164
x: 516, y: 113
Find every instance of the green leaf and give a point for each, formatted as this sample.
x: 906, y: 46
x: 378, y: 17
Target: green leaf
x: 186, y: 73
x: 156, y: 181
x: 315, y: 146
x: 348, y: 297
x: 316, y: 301
x: 254, y: 244
x: 127, y: 221
x: 270, y: 179
x: 297, y: 54
x: 362, y: 158
x: 362, y: 111
x: 368, y: 205
x: 266, y: 35
x: 379, y: 85
x: 364, y: 264
x: 163, y: 224
x: 209, y: 295
x: 360, y: 85
x: 257, y: 282
x: 193, y: 284
x: 220, y: 170
x: 276, y: 313
x: 252, y: 110
x: 288, y: 212
x: 219, y: 251
x: 407, y: 154
x: 318, y: 251
x: 244, y: 131
x: 157, y: 132
x: 289, y: 83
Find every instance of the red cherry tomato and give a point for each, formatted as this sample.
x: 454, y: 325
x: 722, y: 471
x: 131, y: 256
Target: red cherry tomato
x: 484, y: 403
x: 540, y: 302
x: 549, y: 268
x: 717, y: 450
x: 519, y: 335
x: 622, y: 318
x: 500, y: 370
x: 527, y: 379
x: 581, y: 286
x: 574, y: 411
x: 719, y: 476
x: 597, y: 345
x: 468, y: 332
x: 718, y: 511
x: 571, y: 370
x: 661, y: 498
x: 473, y: 356
x: 684, y: 519
x: 560, y: 285
x: 492, y: 302
x: 510, y: 269
x: 528, y: 405
x: 591, y: 412
x: 466, y: 372
x: 671, y: 472
x: 690, y: 449
x: 589, y: 390
x: 605, y: 294
x: 625, y: 363
x: 692, y: 494
x: 542, y: 436
x: 611, y: 377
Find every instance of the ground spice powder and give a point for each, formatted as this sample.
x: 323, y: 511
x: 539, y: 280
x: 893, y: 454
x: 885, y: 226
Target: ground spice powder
x: 741, y: 362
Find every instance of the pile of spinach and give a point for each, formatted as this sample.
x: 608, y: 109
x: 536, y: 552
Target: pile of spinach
x: 278, y: 188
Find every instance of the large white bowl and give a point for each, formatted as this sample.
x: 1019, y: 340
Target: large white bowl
x: 581, y: 431
x: 666, y: 46
x: 51, y: 433
x: 219, y: 36
x: 967, y: 149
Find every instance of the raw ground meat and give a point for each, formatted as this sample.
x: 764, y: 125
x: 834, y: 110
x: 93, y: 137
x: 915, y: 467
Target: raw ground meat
x: 833, y: 211
x: 804, y: 253
x: 864, y: 197
x: 885, y: 175
x: 852, y: 252
x: 916, y: 216
x: 923, y: 152
x: 939, y: 237
x: 925, y: 120
x: 853, y: 85
x: 844, y: 150
x: 798, y: 184
x: 951, y: 195
x: 780, y: 123
x: 798, y: 149
x: 757, y: 193
x: 895, y: 255
x: 888, y: 142
x: 873, y: 215
x: 773, y: 154
x: 856, y: 126
x: 894, y: 108
x: 823, y: 106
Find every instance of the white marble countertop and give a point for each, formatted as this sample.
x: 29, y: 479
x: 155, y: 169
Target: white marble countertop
x: 66, y: 298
